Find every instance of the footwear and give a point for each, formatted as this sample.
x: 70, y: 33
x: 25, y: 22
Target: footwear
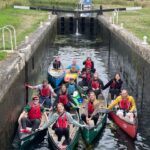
x: 25, y: 131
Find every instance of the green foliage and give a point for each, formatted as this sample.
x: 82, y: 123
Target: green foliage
x: 2, y: 55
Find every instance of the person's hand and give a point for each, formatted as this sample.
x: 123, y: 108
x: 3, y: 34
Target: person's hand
x: 26, y: 84
x: 84, y: 126
x: 40, y: 128
x: 54, y: 94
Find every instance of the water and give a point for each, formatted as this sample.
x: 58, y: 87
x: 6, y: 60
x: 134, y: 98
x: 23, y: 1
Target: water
x: 70, y: 47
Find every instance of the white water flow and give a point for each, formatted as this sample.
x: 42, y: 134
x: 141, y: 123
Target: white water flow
x: 77, y: 28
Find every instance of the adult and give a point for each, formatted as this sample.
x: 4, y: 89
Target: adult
x: 115, y: 85
x: 74, y: 68
x: 96, y: 85
x: 127, y: 106
x: 91, y: 109
x: 62, y: 119
x: 31, y: 116
x: 89, y: 64
x: 86, y: 76
x: 45, y: 92
x: 57, y: 63
x: 64, y: 98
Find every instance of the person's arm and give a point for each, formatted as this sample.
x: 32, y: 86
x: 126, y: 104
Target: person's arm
x: 120, y: 82
x: 53, y: 118
x: 69, y: 67
x: 23, y: 114
x: 115, y: 102
x: 44, y: 113
x: 108, y: 84
x: 102, y: 84
x: 133, y: 108
x: 52, y: 91
x: 32, y: 87
x: 73, y: 121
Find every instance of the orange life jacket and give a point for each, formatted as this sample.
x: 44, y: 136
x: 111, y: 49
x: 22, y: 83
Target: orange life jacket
x: 95, y: 84
x: 35, y: 112
x: 62, y: 121
x: 125, y: 104
x: 90, y: 108
x: 45, y: 91
x: 63, y: 99
x: 88, y: 64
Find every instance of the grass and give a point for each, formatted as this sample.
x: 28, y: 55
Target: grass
x: 24, y: 21
x: 3, y: 55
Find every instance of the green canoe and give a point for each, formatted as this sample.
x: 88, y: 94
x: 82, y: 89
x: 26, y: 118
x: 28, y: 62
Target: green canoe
x: 89, y: 133
x: 74, y: 135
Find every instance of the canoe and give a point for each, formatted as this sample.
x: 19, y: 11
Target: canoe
x: 90, y: 133
x: 69, y: 75
x: 25, y: 139
x: 73, y: 134
x: 55, y: 76
x: 130, y: 129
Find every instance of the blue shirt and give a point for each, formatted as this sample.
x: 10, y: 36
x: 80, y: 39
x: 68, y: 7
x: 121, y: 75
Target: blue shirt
x: 70, y: 66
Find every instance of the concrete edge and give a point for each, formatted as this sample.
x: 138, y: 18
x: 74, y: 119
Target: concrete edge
x: 15, y: 62
x: 126, y: 36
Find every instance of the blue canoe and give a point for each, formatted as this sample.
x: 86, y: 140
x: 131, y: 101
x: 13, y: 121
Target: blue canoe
x: 55, y: 76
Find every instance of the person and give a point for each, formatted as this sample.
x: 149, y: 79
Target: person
x: 127, y: 106
x: 115, y: 85
x: 57, y: 63
x: 61, y: 120
x: 91, y: 108
x: 96, y: 85
x: 45, y: 92
x: 74, y: 68
x: 31, y: 116
x: 71, y: 86
x: 86, y: 76
x: 89, y: 64
x: 64, y: 98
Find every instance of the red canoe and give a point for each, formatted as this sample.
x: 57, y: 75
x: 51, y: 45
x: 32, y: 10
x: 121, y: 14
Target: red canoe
x: 130, y: 129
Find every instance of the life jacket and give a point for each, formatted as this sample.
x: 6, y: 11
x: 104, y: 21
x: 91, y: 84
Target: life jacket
x: 90, y: 108
x: 35, y: 112
x: 88, y: 64
x: 45, y: 91
x: 73, y: 69
x: 113, y: 85
x: 62, y: 121
x: 71, y: 88
x: 63, y: 99
x: 125, y: 104
x: 95, y: 84
x: 88, y: 76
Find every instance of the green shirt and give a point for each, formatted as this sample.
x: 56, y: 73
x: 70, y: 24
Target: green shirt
x: 27, y: 108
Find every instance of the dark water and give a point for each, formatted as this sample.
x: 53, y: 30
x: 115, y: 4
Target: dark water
x: 107, y: 63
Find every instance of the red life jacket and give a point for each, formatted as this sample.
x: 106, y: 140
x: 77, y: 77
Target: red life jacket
x: 45, y: 91
x: 63, y: 99
x: 35, y: 112
x: 62, y: 121
x: 125, y: 104
x: 113, y: 85
x: 88, y: 76
x: 90, y: 108
x: 95, y: 84
x: 88, y: 64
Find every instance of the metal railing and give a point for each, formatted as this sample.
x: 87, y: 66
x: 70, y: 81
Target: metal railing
x: 11, y: 35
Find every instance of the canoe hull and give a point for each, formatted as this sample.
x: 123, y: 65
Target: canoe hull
x: 90, y: 134
x: 69, y: 147
x: 55, y: 81
x: 130, y: 129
